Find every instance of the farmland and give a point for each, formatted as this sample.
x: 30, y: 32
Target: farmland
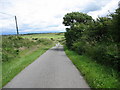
x: 45, y: 35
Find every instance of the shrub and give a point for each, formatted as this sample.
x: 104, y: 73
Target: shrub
x: 104, y: 54
x: 34, y: 38
x: 52, y: 39
x: 97, y: 52
x: 79, y: 47
x: 44, y: 41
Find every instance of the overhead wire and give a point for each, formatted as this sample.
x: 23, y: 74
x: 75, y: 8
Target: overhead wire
x: 7, y: 14
x: 9, y: 17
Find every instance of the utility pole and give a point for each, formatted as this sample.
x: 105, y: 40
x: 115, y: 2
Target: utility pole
x: 16, y: 25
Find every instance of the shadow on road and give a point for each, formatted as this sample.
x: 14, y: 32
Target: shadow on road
x: 57, y: 49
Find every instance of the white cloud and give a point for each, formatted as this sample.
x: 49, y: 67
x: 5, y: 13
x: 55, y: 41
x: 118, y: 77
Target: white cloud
x: 105, y: 10
x: 46, y: 15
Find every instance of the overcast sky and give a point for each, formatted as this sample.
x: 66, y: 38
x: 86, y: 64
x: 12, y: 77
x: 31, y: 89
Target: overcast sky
x: 47, y: 15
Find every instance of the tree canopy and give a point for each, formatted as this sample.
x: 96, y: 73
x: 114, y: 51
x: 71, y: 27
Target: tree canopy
x: 99, y: 39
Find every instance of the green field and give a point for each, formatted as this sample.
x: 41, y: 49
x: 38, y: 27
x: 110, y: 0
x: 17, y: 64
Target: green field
x: 55, y: 37
x: 45, y: 35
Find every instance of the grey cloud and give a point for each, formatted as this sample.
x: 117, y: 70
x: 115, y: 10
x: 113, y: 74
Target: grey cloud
x: 91, y: 7
x: 94, y: 6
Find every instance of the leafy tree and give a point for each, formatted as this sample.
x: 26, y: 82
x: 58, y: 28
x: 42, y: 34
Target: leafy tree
x: 99, y: 39
x: 77, y: 22
x: 115, y: 32
x: 98, y: 30
x: 74, y: 17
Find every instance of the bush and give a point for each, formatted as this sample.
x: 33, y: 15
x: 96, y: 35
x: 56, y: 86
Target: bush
x: 99, y: 53
x: 99, y: 39
x: 104, y: 54
x: 52, y: 39
x: 79, y: 47
x: 44, y: 41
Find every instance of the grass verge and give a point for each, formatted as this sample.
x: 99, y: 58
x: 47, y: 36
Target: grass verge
x: 13, y: 67
x: 96, y: 75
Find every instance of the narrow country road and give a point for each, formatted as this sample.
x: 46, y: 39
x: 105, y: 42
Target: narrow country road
x: 51, y: 70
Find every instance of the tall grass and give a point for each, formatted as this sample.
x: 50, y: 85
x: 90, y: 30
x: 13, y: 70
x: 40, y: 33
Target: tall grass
x: 97, y: 75
x: 29, y: 50
x: 13, y: 45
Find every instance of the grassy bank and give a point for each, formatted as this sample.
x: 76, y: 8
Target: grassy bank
x: 96, y: 75
x: 27, y: 54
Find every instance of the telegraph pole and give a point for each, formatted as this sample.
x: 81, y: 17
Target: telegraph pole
x: 15, y: 21
x: 16, y: 25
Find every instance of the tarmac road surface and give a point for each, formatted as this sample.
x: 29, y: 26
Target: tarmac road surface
x: 53, y: 69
